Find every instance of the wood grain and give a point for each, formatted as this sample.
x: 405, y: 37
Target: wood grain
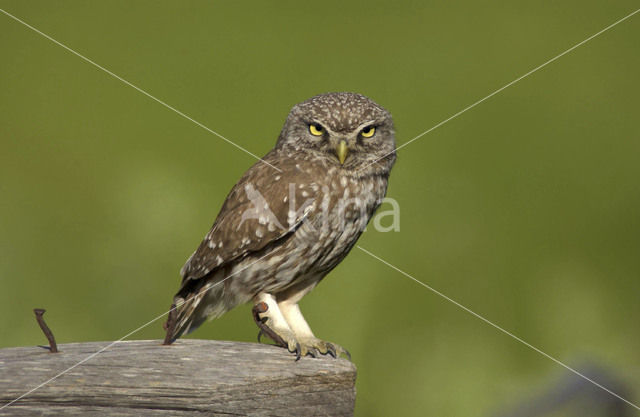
x: 190, y: 377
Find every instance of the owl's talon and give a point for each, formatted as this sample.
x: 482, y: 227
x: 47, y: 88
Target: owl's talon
x: 336, y: 350
x: 314, y: 347
x: 298, y: 351
x: 331, y: 350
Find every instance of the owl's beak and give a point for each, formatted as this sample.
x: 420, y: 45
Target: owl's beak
x: 342, y: 151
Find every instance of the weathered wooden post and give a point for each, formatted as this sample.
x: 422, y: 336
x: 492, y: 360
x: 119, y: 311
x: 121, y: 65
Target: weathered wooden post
x: 190, y: 377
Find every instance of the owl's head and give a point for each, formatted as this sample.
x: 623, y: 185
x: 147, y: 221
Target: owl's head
x: 345, y: 129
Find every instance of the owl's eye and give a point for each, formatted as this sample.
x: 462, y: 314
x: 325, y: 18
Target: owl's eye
x: 316, y: 129
x: 368, y: 131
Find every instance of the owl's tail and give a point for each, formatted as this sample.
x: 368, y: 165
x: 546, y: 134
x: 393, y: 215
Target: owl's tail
x: 196, y: 301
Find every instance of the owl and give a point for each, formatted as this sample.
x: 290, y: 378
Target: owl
x: 291, y: 219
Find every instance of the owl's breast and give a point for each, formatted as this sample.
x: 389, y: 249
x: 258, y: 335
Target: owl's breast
x: 340, y: 215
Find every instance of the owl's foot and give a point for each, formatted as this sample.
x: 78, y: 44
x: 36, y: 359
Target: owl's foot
x: 314, y: 347
x: 261, y: 322
x: 284, y: 337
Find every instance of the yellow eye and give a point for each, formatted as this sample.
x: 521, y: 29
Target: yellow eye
x: 368, y: 131
x: 316, y: 129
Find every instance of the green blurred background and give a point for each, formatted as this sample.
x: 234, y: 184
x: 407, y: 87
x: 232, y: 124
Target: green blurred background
x: 526, y: 209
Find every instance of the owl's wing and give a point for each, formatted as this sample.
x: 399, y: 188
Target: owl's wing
x: 262, y: 207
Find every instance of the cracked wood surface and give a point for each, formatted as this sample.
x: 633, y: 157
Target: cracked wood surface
x: 190, y: 377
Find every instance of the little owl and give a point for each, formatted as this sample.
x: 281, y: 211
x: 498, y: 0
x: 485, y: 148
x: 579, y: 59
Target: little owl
x: 291, y: 218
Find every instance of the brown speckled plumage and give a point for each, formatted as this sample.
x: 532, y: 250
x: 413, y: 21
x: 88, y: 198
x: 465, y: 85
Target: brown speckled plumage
x: 280, y: 232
